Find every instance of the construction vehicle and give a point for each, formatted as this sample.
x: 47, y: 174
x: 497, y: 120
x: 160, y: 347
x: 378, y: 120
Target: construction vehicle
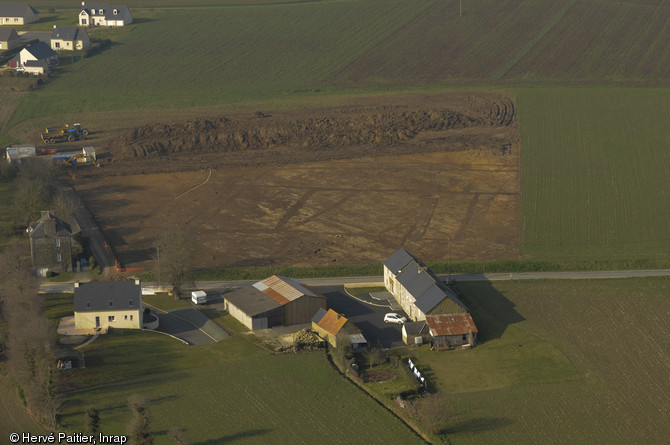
x: 63, y: 133
x: 80, y: 159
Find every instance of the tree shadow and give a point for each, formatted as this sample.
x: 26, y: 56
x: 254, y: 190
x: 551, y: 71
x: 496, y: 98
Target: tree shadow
x: 476, y: 424
x: 236, y: 436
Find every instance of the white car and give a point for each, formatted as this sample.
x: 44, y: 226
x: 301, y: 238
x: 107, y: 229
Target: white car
x: 392, y: 317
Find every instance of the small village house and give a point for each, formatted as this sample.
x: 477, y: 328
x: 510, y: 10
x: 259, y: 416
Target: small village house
x: 452, y: 330
x: 416, y: 288
x: 9, y: 39
x: 99, y: 306
x: 104, y: 14
x: 50, y: 244
x: 335, y: 328
x: 274, y: 301
x: 37, y: 59
x: 18, y: 14
x: 69, y: 38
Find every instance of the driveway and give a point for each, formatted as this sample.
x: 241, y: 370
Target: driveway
x: 190, y: 325
x: 369, y: 318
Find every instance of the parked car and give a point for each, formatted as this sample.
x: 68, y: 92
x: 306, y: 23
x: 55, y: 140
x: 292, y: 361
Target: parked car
x: 392, y: 317
x: 199, y: 297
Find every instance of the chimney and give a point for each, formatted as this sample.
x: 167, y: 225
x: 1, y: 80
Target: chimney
x: 83, y: 3
x: 137, y: 281
x: 76, y: 284
x: 54, y: 26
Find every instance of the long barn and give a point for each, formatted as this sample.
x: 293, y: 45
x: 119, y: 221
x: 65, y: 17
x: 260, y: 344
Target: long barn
x: 274, y: 301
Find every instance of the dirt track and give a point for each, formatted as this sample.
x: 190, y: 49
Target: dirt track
x: 319, y: 186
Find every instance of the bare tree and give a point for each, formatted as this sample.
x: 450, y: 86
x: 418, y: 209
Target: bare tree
x: 178, y: 436
x: 139, y: 427
x: 433, y: 412
x: 92, y: 419
x: 174, y: 259
x: 17, y: 273
x: 375, y: 357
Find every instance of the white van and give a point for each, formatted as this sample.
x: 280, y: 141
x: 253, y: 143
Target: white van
x: 199, y: 297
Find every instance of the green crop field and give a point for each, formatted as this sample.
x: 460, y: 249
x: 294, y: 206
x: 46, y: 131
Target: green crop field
x: 228, y: 392
x: 560, y: 362
x: 594, y: 173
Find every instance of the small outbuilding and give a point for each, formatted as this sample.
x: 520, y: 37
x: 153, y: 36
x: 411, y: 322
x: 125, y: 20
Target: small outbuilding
x: 452, y: 330
x: 415, y: 333
x: 274, y: 301
x: 334, y: 328
x: 9, y: 39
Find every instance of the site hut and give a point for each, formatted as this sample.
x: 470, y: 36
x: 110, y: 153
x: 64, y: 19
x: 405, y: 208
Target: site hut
x: 9, y: 39
x: 336, y: 328
x: 69, y: 38
x: 415, y: 333
x: 18, y: 14
x: 274, y: 301
x: 416, y: 288
x: 452, y: 330
x: 50, y: 244
x: 104, y: 14
x: 99, y: 306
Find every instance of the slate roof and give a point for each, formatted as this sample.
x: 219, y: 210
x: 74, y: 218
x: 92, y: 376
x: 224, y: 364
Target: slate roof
x: 426, y: 288
x: 69, y: 33
x: 451, y: 324
x: 38, y: 229
x: 97, y: 296
x: 40, y: 51
x: 251, y: 301
x: 107, y: 11
x: 7, y: 34
x: 414, y: 327
x: 332, y: 322
x: 16, y: 10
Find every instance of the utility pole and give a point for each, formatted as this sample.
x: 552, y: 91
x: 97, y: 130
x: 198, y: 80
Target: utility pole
x: 460, y: 8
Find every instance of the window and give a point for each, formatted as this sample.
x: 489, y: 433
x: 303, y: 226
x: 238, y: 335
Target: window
x: 83, y: 21
x: 131, y: 318
x: 88, y: 305
x: 465, y: 337
x: 130, y: 303
x: 110, y: 318
x: 111, y: 303
x: 125, y: 317
x: 100, y: 11
x: 116, y: 12
x: 57, y: 241
x: 92, y: 11
x: 58, y: 257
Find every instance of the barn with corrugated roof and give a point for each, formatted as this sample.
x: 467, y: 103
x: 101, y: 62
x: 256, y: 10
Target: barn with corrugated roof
x: 452, y: 330
x: 274, y: 301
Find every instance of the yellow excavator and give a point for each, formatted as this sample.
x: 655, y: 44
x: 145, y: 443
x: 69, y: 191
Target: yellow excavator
x: 80, y: 159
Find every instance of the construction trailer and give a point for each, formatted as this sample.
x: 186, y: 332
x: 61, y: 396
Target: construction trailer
x: 15, y: 153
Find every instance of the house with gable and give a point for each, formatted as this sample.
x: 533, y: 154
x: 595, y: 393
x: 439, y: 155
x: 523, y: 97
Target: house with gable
x: 104, y: 14
x: 18, y: 14
x: 9, y: 39
x: 50, y: 244
x: 37, y: 59
x: 99, y: 306
x: 69, y: 38
x: 274, y: 301
x: 335, y: 328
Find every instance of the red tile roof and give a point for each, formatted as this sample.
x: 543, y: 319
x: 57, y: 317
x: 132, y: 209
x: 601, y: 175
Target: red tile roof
x: 451, y: 324
x: 332, y: 322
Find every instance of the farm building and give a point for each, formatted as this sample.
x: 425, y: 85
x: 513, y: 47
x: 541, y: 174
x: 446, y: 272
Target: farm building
x: 104, y: 14
x: 415, y: 332
x: 69, y: 38
x: 416, y: 288
x: 35, y: 58
x: 9, y: 39
x: 99, y: 306
x: 18, y: 14
x: 334, y: 328
x: 275, y: 301
x: 452, y: 330
x: 50, y: 244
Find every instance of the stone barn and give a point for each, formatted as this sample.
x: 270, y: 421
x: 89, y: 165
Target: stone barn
x: 334, y: 328
x: 50, y: 244
x: 452, y: 330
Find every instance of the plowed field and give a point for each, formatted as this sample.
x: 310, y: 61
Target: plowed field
x: 345, y: 185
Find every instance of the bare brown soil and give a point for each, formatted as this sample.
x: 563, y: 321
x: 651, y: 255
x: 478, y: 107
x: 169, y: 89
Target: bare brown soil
x: 345, y: 185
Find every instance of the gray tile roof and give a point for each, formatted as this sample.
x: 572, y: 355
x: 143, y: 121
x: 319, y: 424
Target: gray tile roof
x: 40, y: 51
x: 251, y: 300
x: 415, y: 327
x: 107, y: 11
x: 399, y: 260
x: 69, y: 33
x: 7, y: 34
x: 16, y: 10
x: 38, y: 229
x: 107, y: 296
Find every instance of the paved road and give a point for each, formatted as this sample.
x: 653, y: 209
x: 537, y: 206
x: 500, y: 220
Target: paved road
x: 182, y: 329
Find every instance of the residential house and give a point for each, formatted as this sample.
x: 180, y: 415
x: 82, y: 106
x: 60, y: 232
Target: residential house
x: 416, y: 288
x: 104, y: 14
x: 37, y: 58
x: 452, y: 330
x: 9, y: 39
x: 335, y: 328
x: 99, y: 306
x: 69, y: 38
x: 18, y: 14
x: 274, y: 301
x: 50, y: 244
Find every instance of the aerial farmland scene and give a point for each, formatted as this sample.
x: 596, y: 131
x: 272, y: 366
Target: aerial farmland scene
x: 335, y: 221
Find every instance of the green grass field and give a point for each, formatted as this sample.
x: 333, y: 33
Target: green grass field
x: 560, y: 362
x: 228, y: 392
x: 594, y: 168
